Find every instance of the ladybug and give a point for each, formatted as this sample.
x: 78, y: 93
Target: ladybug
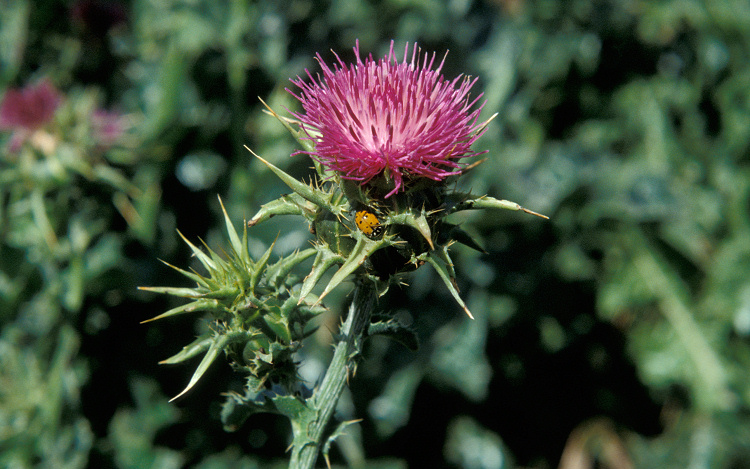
x: 368, y: 223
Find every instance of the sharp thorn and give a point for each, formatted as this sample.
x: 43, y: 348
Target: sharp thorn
x: 531, y: 212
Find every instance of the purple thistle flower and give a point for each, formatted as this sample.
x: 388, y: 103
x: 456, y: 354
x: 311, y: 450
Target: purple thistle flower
x: 400, y: 118
x: 30, y: 107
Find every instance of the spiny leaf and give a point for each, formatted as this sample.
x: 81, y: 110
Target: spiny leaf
x: 311, y: 310
x: 199, y: 279
x: 444, y: 274
x: 220, y: 272
x: 315, y: 196
x: 323, y: 261
x: 199, y: 345
x: 445, y: 256
x: 340, y: 431
x: 279, y: 271
x: 223, y: 293
x: 213, y: 352
x: 197, y: 305
x: 297, y: 411
x: 289, y: 204
x: 278, y: 325
x: 175, y: 291
x: 416, y: 221
x: 362, y: 250
x: 218, y: 344
x: 207, y: 262
x: 396, y: 331
x: 288, y: 306
x: 260, y: 267
x: 236, y: 409
x: 239, y: 247
x: 481, y: 202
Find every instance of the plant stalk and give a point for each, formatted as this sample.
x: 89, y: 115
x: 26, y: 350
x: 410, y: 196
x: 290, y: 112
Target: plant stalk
x: 306, y: 447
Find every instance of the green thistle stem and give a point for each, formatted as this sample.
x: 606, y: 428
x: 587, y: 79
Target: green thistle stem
x: 346, y: 352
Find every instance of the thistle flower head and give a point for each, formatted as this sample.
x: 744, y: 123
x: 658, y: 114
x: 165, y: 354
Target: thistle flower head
x: 26, y: 110
x: 402, y: 119
x: 30, y: 107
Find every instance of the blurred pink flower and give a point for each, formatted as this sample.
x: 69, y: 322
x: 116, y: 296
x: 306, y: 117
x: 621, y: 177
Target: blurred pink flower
x: 28, y: 109
x: 403, y: 118
x: 108, y: 127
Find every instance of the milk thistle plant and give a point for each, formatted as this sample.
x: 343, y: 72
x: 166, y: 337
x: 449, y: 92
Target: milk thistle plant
x: 386, y: 138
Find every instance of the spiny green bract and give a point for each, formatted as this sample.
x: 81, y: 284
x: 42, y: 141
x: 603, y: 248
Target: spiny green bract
x: 258, y: 316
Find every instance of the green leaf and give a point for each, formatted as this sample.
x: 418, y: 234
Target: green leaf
x: 199, y: 345
x: 199, y: 279
x: 484, y: 201
x: 462, y: 347
x: 337, y: 433
x: 278, y: 325
x: 216, y: 346
x: 289, y: 204
x: 362, y: 250
x: 169, y: 90
x: 132, y: 431
x: 445, y: 274
x: 711, y: 388
x: 323, y: 261
x: 207, y: 261
x: 197, y: 305
x: 298, y: 413
x: 260, y: 268
x: 239, y: 247
x: 318, y: 197
x: 416, y: 221
x: 236, y: 409
x: 443, y: 254
x: 392, y: 329
x: 278, y: 272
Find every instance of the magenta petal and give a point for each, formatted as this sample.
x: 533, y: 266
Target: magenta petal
x: 404, y: 117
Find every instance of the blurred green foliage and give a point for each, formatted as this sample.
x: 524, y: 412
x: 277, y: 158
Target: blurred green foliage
x: 627, y: 122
